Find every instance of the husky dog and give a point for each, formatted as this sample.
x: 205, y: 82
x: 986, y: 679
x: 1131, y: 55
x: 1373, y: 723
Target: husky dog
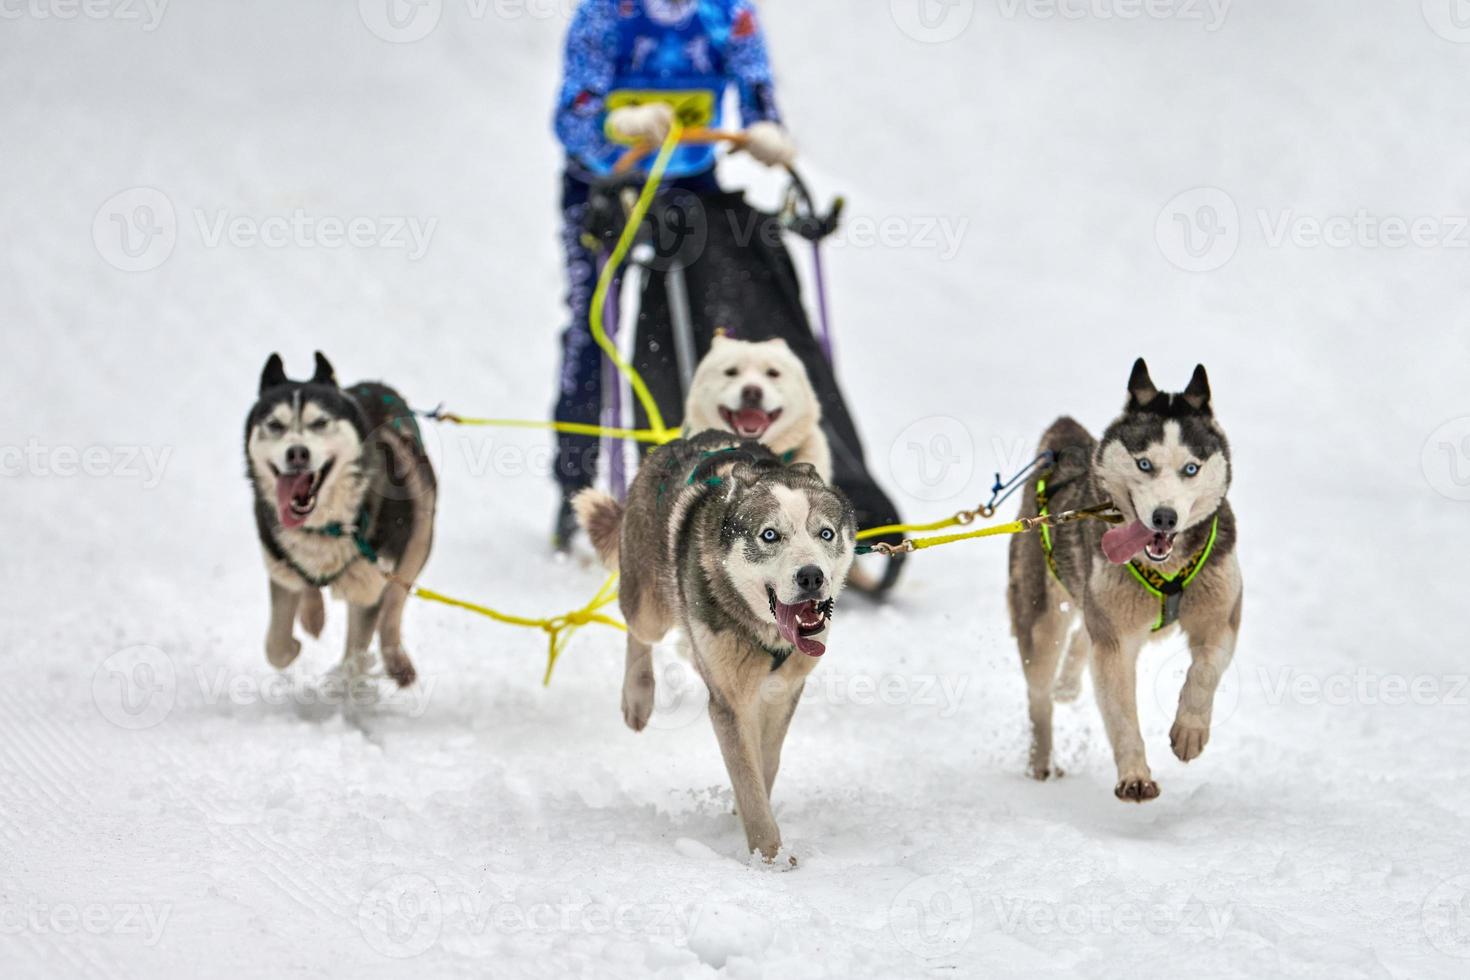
x: 759, y: 391
x: 344, y: 497
x: 1165, y: 465
x: 748, y: 556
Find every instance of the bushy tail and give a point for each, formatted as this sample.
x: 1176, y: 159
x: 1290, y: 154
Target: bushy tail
x: 602, y: 518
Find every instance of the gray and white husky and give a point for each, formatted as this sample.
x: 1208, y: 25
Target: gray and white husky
x: 344, y: 499
x: 748, y: 556
x: 1165, y: 465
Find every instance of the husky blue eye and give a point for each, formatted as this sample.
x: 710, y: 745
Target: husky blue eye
x: 828, y: 534
x: 769, y: 536
x: 1191, y: 469
x: 1145, y: 465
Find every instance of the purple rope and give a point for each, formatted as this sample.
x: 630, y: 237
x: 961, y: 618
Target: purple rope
x: 825, y: 338
x: 612, y: 398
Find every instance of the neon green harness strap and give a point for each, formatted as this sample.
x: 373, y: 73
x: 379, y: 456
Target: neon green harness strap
x: 1169, y: 590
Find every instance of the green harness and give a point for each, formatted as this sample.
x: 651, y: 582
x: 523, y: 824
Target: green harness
x: 1168, y: 589
x: 337, y: 529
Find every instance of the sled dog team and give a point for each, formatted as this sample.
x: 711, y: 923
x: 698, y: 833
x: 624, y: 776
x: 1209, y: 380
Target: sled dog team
x: 732, y: 538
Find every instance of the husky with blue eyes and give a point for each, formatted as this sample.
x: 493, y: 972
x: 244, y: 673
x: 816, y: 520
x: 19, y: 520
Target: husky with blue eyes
x: 344, y: 500
x: 747, y: 556
x: 1078, y: 594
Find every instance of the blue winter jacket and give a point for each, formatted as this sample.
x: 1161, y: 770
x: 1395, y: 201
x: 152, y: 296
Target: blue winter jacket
x: 685, y: 52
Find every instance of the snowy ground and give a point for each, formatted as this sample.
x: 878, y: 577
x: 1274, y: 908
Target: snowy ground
x: 170, y: 808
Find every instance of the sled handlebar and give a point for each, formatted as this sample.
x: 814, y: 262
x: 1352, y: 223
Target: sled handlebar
x: 691, y: 137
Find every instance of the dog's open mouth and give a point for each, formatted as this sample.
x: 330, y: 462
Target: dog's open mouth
x: 1121, y: 543
x: 749, y: 423
x: 799, y: 623
x: 296, y: 494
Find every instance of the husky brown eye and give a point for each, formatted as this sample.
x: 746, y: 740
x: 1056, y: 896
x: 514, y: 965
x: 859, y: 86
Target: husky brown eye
x: 275, y: 427
x: 320, y: 425
x: 731, y: 372
x: 772, y: 373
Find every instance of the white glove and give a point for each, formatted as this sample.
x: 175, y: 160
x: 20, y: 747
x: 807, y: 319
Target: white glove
x: 770, y: 144
x: 649, y: 122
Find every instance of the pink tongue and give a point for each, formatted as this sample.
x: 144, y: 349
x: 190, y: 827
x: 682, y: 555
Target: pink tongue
x: 287, y: 487
x: 748, y: 419
x: 1121, y: 543
x: 786, y: 626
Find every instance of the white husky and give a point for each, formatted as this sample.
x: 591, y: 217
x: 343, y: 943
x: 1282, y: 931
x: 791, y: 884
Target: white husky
x: 759, y: 391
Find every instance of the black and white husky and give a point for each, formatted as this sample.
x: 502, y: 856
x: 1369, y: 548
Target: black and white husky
x: 748, y: 556
x: 344, y: 499
x: 1165, y: 465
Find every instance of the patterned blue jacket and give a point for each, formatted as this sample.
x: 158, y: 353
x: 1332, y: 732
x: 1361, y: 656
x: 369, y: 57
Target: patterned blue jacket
x: 686, y: 52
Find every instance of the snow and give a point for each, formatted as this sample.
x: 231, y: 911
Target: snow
x: 170, y: 807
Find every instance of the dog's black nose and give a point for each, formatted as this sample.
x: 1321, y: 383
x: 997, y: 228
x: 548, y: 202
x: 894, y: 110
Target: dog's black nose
x: 751, y: 396
x: 298, y: 457
x: 1165, y: 519
x: 809, y: 579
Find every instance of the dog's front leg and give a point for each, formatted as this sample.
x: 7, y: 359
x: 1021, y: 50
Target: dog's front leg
x: 361, y: 623
x: 739, y: 736
x: 1211, y: 648
x: 281, y: 645
x: 1115, y: 678
x: 390, y: 635
x: 775, y: 720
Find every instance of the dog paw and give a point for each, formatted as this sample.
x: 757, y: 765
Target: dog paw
x: 1136, y: 789
x: 400, y: 668
x: 282, y: 655
x: 313, y: 614
x: 637, y: 706
x: 1188, y: 740
x: 1042, y: 773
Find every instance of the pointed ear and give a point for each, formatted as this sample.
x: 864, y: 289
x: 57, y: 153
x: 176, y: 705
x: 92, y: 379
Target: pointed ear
x: 721, y: 337
x: 779, y: 342
x: 274, y: 374
x: 1197, y: 395
x: 324, y: 373
x: 1141, y: 388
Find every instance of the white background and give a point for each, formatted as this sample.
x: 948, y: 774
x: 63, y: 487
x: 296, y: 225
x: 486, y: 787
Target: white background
x: 488, y: 826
